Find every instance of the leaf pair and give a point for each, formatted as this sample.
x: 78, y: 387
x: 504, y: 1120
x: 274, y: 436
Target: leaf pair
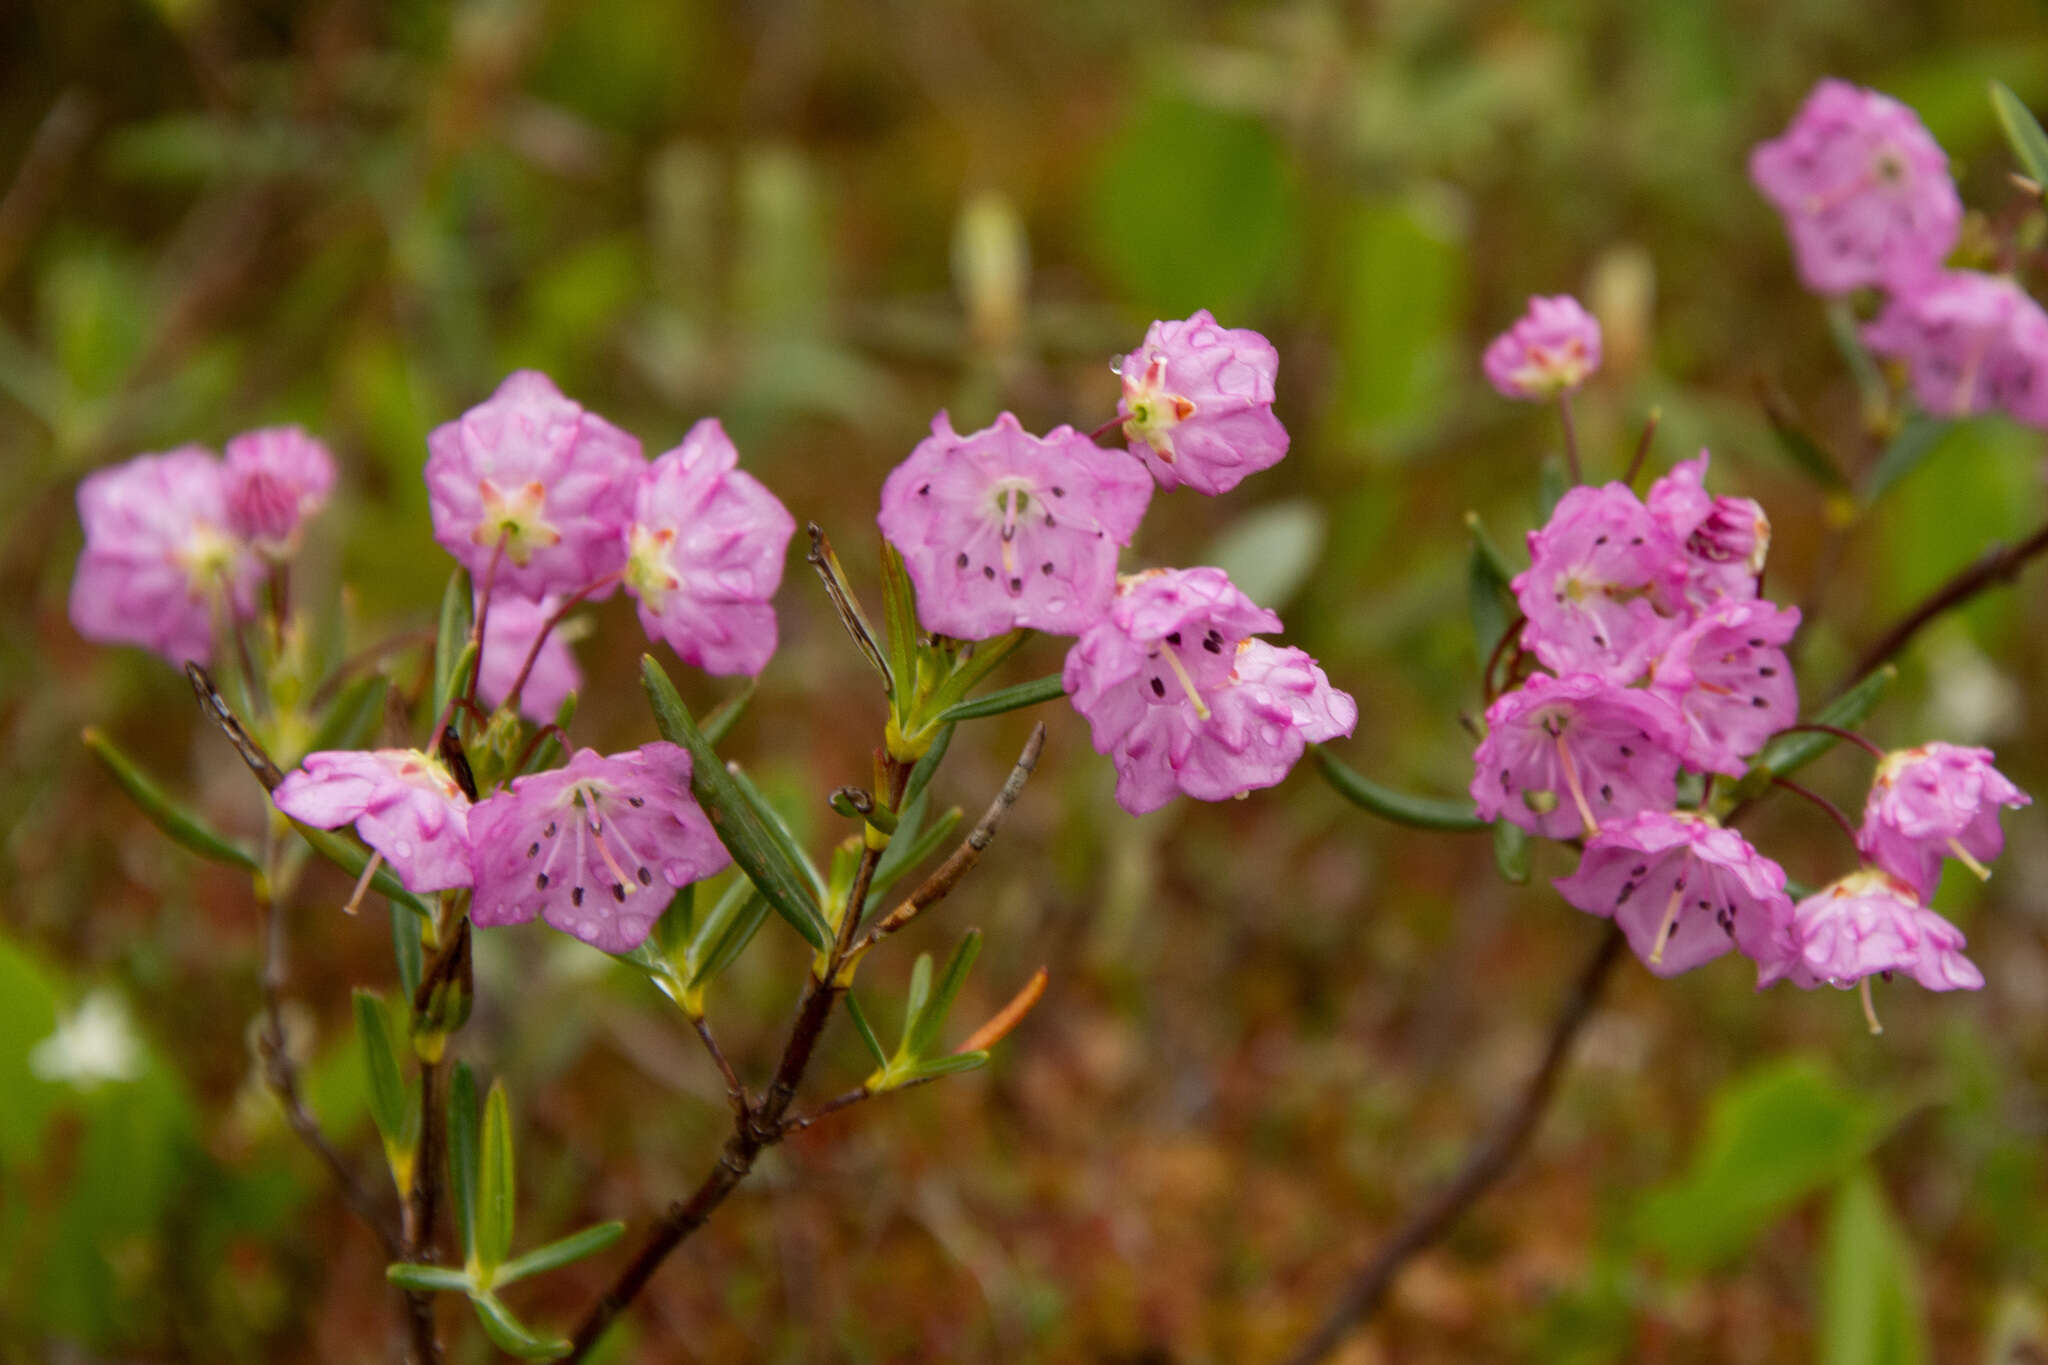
x: 687, y: 949
x: 924, y: 1016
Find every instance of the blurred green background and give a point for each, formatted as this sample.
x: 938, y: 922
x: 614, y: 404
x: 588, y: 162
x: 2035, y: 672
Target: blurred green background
x: 1272, y: 1025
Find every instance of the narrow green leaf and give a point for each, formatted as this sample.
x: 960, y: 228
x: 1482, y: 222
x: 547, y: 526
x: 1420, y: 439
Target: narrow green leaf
x: 922, y: 773
x: 1421, y: 812
x: 866, y: 1030
x: 903, y: 856
x: 495, y: 1190
x: 924, y: 1032
x: 427, y: 1279
x: 457, y: 605
x: 458, y: 678
x: 726, y: 937
x: 720, y: 720
x: 2023, y: 131
x: 732, y: 819
x: 951, y: 1064
x: 1788, y: 753
x: 1487, y: 599
x: 1005, y: 699
x: 380, y: 1064
x: 1484, y: 545
x: 462, y: 1154
x: 1511, y: 851
x: 778, y: 828
x: 1870, y: 1294
x: 406, y: 950
x: 353, y: 719
x: 1804, y: 452
x: 351, y: 857
x: 175, y: 820
x: 677, y: 926
x: 1915, y: 441
x: 555, y: 1255
x: 512, y: 1336
x: 914, y: 1003
x: 899, y: 615
x: 982, y: 659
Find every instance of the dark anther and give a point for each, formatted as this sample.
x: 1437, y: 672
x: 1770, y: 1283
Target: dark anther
x: 1158, y: 688
x: 619, y: 892
x: 540, y: 882
x: 636, y: 802
x: 988, y: 571
x: 960, y: 561
x: 533, y: 848
x: 646, y: 877
x: 576, y: 896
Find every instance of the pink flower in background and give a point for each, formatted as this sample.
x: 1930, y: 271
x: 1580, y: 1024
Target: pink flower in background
x: 1567, y: 756
x: 509, y: 632
x: 705, y: 546
x: 1198, y: 404
x: 1184, y: 701
x: 277, y: 478
x: 403, y: 803
x: 1865, y: 192
x: 1937, y: 801
x: 1552, y: 349
x: 1727, y: 675
x: 1604, y: 586
x: 1974, y: 343
x: 532, y: 471
x: 1725, y: 539
x: 1002, y: 529
x: 1682, y: 888
x: 1866, y: 924
x: 597, y: 848
x: 160, y: 548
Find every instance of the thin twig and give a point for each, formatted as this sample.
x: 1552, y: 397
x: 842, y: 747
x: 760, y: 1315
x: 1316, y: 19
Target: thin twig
x: 1571, y: 438
x: 569, y: 604
x: 1834, y: 812
x: 1862, y: 742
x: 1635, y: 462
x: 1999, y: 564
x: 1486, y: 1165
x: 833, y: 1106
x: 735, y: 1092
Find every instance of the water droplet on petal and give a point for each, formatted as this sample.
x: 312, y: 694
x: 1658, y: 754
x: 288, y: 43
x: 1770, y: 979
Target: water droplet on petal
x: 1116, y: 365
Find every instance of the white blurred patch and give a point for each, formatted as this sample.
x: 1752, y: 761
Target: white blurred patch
x: 92, y: 1044
x: 1970, y: 700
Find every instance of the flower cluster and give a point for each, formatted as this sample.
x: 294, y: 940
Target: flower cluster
x: 1003, y: 530
x: 1867, y: 199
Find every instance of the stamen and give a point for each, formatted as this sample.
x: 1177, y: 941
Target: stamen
x: 604, y: 851
x: 1187, y: 683
x: 1571, y: 782
x: 355, y: 899
x: 1962, y: 855
x: 1670, y: 915
x: 1869, y: 1008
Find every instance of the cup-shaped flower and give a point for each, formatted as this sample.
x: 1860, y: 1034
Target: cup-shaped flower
x: 510, y: 628
x: 1725, y: 539
x: 1552, y: 349
x: 531, y: 479
x: 1973, y: 343
x: 1727, y: 675
x: 705, y: 547
x: 277, y: 478
x: 1198, y: 404
x: 596, y: 848
x: 1864, y: 190
x: 1937, y: 801
x: 1682, y: 888
x: 403, y: 803
x: 1003, y: 529
x: 1604, y: 590
x: 1571, y: 755
x: 1184, y: 701
x: 1869, y: 923
x: 160, y: 551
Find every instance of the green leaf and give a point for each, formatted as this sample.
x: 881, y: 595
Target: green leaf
x: 1804, y: 452
x: 555, y: 1255
x: 1270, y: 551
x: 1006, y: 699
x: 1870, y: 1292
x: 921, y: 775
x: 1773, y: 1136
x: 462, y: 1154
x: 726, y: 932
x: 512, y: 1336
x: 899, y: 617
x: 495, y: 1191
x: 902, y: 855
x: 1511, y: 851
x: 742, y: 832
x: 458, y: 602
x: 1489, y: 602
x: 28, y: 1014
x: 353, y: 719
x: 380, y: 1062
x: 406, y: 950
x: 1551, y: 483
x: 866, y: 1030
x: 720, y: 720
x: 777, y: 827
x: 951, y: 1064
x: 923, y: 1032
x: 1788, y: 753
x: 1915, y: 441
x: 969, y: 667
x: 351, y: 857
x: 427, y: 1279
x: 174, y: 819
x: 914, y: 1003
x: 2023, y: 131
x: 1421, y: 812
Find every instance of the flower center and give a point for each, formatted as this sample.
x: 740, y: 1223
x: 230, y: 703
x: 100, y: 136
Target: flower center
x: 514, y: 517
x: 1154, y: 412
x: 650, y: 570
x: 206, y: 557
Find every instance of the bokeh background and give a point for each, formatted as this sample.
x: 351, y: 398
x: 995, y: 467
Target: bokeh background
x: 1272, y: 1025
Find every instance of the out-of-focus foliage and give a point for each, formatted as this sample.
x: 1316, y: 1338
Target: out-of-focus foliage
x: 1272, y: 1025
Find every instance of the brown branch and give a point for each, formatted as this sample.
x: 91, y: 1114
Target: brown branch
x: 1999, y: 564
x: 419, y: 1212
x: 1486, y: 1165
x: 735, y: 1092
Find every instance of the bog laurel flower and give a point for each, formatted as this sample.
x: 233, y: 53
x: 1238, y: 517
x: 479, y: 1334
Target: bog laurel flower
x: 510, y: 629
x: 596, y: 848
x: 1973, y: 343
x: 530, y: 478
x: 1198, y: 404
x: 1937, y: 801
x: 1566, y: 756
x: 1003, y: 529
x: 1727, y: 675
x: 1183, y: 700
x: 1552, y: 349
x: 1725, y: 539
x: 1864, y: 190
x: 1865, y: 924
x: 1682, y: 888
x: 160, y: 551
x: 705, y: 544
x: 403, y: 803
x: 1604, y: 590
x: 277, y: 479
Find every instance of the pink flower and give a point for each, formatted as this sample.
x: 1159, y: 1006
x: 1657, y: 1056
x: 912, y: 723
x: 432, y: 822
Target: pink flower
x: 1198, y: 404
x: 1725, y: 539
x: 1003, y: 529
x: 1604, y: 586
x: 1683, y: 889
x: 532, y: 472
x: 1936, y: 801
x: 1974, y: 343
x: 1553, y: 348
x: 596, y: 847
x: 159, y: 549
x: 705, y: 547
x: 1865, y: 191
x: 1727, y: 675
x: 403, y: 804
x: 1566, y: 756
x: 1184, y: 701
x: 509, y: 633
x: 1869, y: 923
x: 277, y: 478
